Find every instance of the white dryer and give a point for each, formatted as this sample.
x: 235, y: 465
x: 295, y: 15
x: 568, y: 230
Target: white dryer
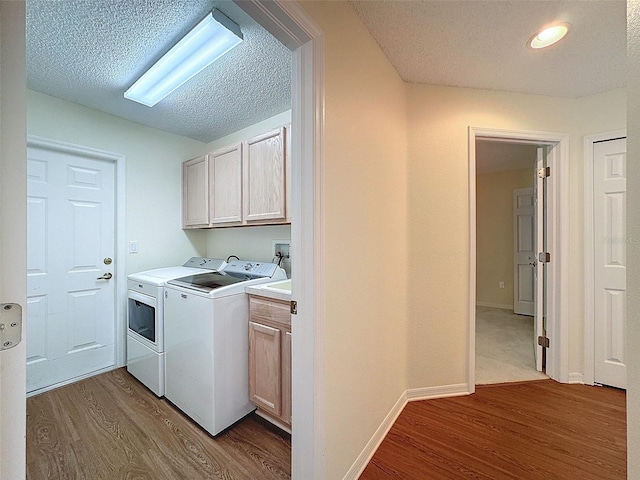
x: 207, y: 342
x: 145, y: 318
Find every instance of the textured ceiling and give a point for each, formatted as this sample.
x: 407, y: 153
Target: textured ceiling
x: 481, y: 44
x: 90, y: 51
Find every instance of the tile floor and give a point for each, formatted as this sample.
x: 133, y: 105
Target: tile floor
x: 504, y: 347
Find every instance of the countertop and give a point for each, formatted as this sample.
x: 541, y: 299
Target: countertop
x: 280, y: 290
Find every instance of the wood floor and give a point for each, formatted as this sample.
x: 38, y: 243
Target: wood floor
x: 534, y: 430
x: 111, y: 427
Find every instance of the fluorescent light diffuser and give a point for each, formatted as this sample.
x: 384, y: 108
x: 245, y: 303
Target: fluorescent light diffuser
x: 214, y: 36
x: 548, y: 36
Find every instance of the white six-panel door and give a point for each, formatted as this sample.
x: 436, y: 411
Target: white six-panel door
x: 609, y: 207
x: 71, y: 233
x: 523, y: 251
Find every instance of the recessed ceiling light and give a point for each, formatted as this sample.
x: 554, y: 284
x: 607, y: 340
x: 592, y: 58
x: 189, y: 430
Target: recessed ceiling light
x: 548, y: 36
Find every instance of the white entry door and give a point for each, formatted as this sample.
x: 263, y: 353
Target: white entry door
x: 70, y: 258
x: 524, y: 215
x: 610, y: 283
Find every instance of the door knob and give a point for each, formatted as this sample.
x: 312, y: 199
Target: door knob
x: 106, y: 276
x: 532, y: 263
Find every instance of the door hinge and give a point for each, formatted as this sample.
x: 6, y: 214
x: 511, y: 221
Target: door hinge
x: 543, y: 341
x: 10, y: 325
x: 544, y: 172
x: 294, y: 307
x: 544, y: 257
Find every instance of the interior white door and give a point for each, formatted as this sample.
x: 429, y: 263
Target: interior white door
x: 539, y: 266
x: 610, y: 305
x: 70, y: 237
x: 523, y: 251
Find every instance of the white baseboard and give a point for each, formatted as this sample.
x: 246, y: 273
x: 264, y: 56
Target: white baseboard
x: 494, y: 305
x: 72, y: 380
x: 443, y: 391
x: 372, y: 445
x: 576, y: 377
x: 410, y: 395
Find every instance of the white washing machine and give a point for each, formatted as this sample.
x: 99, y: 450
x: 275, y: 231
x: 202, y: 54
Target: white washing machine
x: 207, y: 342
x: 145, y: 319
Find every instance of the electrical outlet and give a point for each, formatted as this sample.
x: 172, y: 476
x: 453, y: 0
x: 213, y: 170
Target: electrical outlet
x: 501, y: 284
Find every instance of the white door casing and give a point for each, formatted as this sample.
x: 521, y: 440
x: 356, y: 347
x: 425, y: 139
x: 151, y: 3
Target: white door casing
x: 71, y: 309
x: 13, y: 223
x: 523, y: 251
x: 557, y: 222
x: 289, y: 23
x: 609, y: 254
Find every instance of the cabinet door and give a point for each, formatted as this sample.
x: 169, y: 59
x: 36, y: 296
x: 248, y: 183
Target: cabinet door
x: 265, y: 376
x: 286, y: 378
x: 225, y: 185
x: 195, y: 192
x: 264, y: 177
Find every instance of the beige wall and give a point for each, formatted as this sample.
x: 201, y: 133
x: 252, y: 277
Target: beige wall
x: 633, y: 247
x: 438, y: 213
x: 364, y: 225
x: 153, y: 172
x: 494, y: 230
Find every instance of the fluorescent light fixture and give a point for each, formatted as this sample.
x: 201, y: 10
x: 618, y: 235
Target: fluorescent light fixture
x: 548, y: 36
x: 214, y: 36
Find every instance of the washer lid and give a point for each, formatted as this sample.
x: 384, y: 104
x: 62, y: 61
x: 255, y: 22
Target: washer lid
x: 206, y: 282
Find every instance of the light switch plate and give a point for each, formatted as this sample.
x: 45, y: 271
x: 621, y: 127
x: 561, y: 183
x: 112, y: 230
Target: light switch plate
x: 10, y: 325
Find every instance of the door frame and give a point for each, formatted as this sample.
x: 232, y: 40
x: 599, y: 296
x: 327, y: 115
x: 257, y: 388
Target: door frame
x: 558, y: 234
x: 589, y: 250
x: 290, y: 24
x: 120, y: 252
x: 13, y: 232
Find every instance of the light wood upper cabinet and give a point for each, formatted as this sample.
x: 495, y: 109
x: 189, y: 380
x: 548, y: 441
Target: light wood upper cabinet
x: 264, y: 177
x: 195, y: 192
x: 225, y: 185
x: 243, y: 184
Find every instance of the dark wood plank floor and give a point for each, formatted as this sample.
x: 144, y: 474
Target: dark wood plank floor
x: 534, y: 430
x: 111, y: 427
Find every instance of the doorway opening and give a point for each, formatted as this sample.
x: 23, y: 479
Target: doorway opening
x: 531, y: 282
x: 289, y: 23
x: 506, y: 264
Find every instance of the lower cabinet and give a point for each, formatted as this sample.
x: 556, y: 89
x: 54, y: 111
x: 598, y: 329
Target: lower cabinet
x: 270, y: 359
